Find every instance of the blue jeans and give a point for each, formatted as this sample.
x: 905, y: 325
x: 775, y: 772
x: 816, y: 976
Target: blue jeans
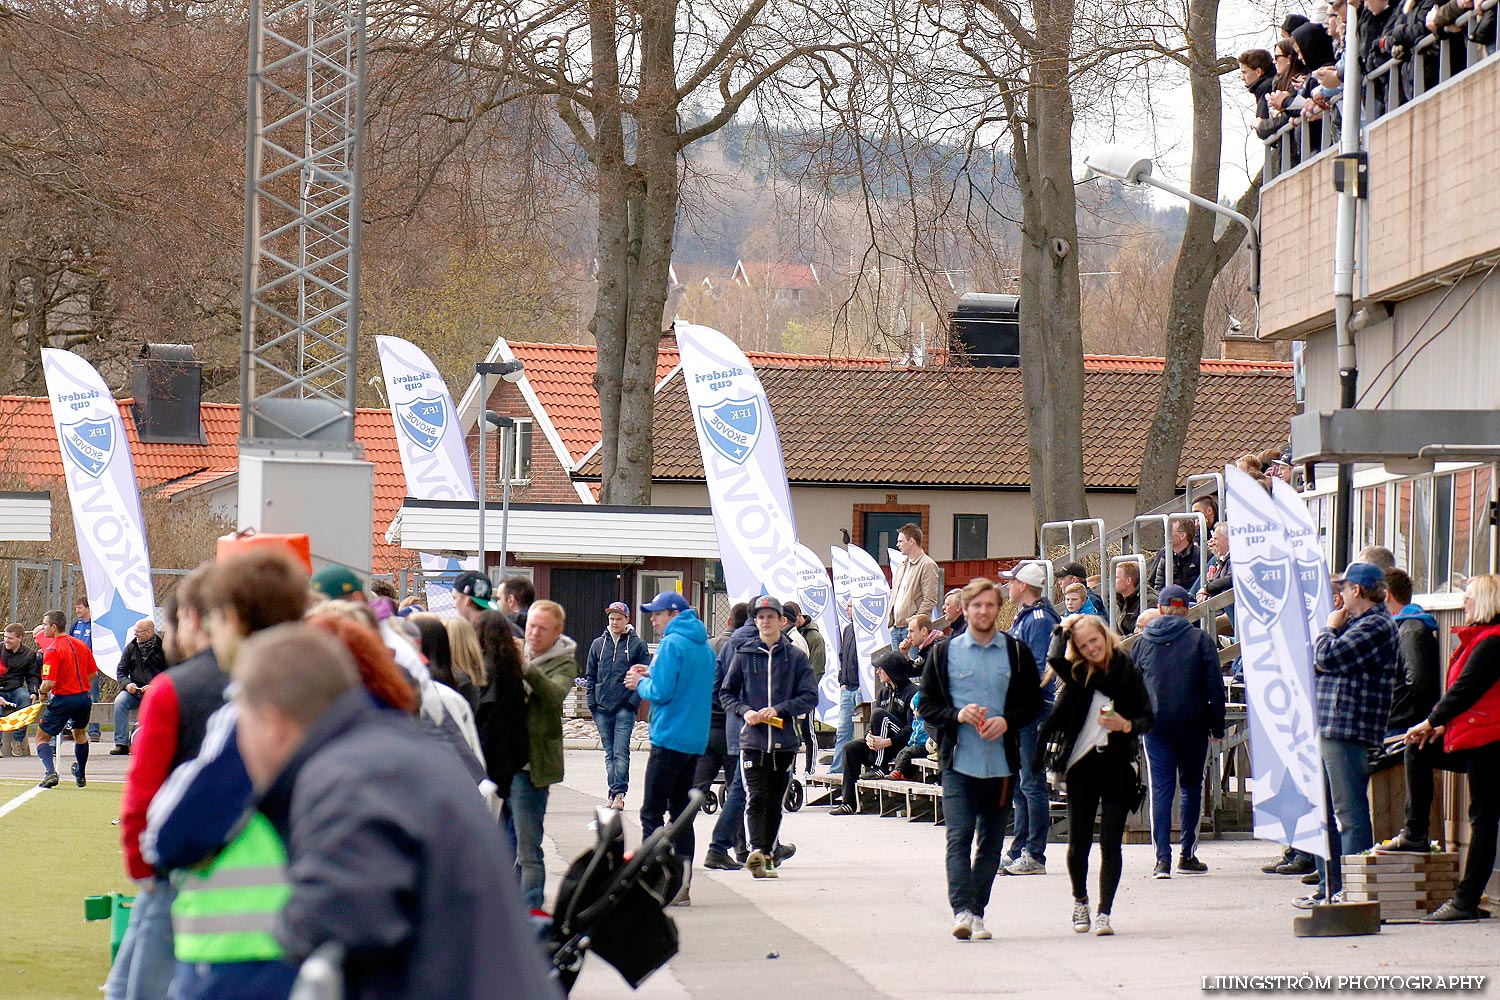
x: 1346, y: 773
x: 615, y: 729
x: 1176, y: 759
x: 729, y: 828
x: 848, y: 702
x: 125, y: 703
x: 974, y: 809
x: 94, y: 697
x: 145, y: 965
x: 1032, y: 802
x: 898, y: 633
x: 528, y: 809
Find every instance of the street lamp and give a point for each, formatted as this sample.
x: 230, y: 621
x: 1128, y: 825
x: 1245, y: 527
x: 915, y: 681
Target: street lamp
x: 1123, y: 164
x: 507, y: 462
x: 511, y: 371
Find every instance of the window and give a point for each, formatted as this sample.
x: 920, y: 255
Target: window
x: 880, y: 534
x: 971, y: 535
x: 521, y: 459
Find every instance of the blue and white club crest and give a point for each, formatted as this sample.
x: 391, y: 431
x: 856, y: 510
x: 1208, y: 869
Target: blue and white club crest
x: 814, y: 600
x: 422, y: 420
x: 732, y: 426
x: 869, y: 612
x: 1314, y: 581
x: 90, y: 444
x: 1267, y: 585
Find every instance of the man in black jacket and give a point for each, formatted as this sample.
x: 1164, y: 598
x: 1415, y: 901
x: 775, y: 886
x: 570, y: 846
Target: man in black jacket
x: 1417, y: 678
x: 391, y: 854
x: 20, y: 676
x: 890, y: 725
x: 978, y: 691
x: 768, y: 685
x: 1185, y: 556
x: 848, y: 689
x: 141, y: 661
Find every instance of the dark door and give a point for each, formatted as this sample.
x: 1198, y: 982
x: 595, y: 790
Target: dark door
x: 584, y: 594
x: 881, y: 530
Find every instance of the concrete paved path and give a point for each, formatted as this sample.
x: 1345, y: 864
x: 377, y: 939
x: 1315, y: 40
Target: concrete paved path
x: 861, y: 912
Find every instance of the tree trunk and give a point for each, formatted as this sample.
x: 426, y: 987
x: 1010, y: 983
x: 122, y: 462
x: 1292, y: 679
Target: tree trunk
x: 656, y: 161
x: 1200, y: 258
x: 1051, y: 329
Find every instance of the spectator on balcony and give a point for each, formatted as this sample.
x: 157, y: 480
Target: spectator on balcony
x: 953, y: 614
x: 1258, y: 74
x: 1075, y: 596
x: 1220, y: 574
x: 1249, y: 463
x: 1379, y: 555
x: 1127, y: 596
x: 1186, y: 559
x: 1208, y: 506
x: 1291, y: 23
x: 1374, y: 17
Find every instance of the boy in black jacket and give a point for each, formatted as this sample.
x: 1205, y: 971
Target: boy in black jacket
x: 978, y: 690
x: 890, y: 726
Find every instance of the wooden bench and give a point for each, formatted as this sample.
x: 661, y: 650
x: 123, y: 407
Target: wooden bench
x: 916, y: 800
x: 819, y: 788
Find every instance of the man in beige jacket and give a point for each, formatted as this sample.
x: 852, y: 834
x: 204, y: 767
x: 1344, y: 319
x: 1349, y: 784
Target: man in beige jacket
x: 916, y: 588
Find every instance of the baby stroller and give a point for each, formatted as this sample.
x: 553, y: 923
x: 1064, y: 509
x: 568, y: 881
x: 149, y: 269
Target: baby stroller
x: 614, y: 905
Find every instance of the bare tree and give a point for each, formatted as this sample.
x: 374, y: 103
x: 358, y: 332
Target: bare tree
x: 1200, y: 258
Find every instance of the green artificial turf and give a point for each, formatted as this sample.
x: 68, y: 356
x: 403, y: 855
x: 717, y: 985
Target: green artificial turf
x: 72, y: 850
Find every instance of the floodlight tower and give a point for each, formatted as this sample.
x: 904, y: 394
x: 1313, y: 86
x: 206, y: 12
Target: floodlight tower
x: 301, y: 469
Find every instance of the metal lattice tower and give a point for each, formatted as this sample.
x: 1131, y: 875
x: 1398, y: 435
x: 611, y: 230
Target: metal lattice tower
x: 300, y: 310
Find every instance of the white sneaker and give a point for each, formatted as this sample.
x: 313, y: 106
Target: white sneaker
x: 963, y: 926
x: 1101, y: 926
x: 978, y: 931
x: 1026, y: 865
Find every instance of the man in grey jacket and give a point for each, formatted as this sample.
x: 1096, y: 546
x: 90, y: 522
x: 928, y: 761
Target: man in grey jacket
x: 391, y: 854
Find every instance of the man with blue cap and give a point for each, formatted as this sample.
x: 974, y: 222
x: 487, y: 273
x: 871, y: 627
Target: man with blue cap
x: 679, y: 684
x: 1354, y: 659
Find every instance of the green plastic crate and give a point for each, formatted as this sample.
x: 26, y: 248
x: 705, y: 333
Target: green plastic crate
x: 116, y: 909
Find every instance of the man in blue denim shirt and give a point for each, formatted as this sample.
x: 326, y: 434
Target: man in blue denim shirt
x: 1355, y: 661
x: 1033, y: 629
x: 978, y: 691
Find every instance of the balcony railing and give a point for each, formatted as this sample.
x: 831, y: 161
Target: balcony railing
x: 1391, y: 85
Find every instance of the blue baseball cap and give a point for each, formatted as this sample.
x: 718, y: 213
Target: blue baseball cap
x: 1174, y: 597
x: 667, y: 600
x: 1363, y: 573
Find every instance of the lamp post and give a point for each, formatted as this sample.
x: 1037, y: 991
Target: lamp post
x: 511, y: 371
x: 507, y: 428
x: 1122, y: 164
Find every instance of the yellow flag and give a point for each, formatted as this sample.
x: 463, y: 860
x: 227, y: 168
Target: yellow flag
x: 21, y: 719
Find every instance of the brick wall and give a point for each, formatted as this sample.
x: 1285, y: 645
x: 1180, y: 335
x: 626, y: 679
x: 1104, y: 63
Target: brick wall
x: 1296, y: 274
x: 549, y: 479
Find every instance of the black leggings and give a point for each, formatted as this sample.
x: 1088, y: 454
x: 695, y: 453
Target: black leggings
x: 1099, y: 782
x: 1482, y: 764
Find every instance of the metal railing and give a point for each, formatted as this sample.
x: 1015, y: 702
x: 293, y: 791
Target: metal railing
x: 1433, y: 60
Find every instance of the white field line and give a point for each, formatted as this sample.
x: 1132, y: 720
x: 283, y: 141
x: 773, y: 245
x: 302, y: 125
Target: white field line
x: 24, y: 797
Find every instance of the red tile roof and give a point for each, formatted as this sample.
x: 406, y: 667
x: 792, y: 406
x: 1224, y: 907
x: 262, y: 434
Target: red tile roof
x: 853, y: 426
x: 28, y: 452
x: 1221, y: 366
x: 776, y: 276
x: 562, y: 375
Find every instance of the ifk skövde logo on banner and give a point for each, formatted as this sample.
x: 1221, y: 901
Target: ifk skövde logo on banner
x: 869, y: 612
x: 1268, y: 584
x: 90, y: 444
x: 814, y: 600
x: 422, y: 421
x: 1314, y: 582
x: 732, y: 426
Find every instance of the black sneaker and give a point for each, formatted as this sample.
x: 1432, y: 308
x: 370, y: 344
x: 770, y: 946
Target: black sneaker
x: 1190, y: 865
x: 782, y: 852
x: 78, y: 776
x: 841, y: 810
x: 1301, y: 866
x: 1403, y: 843
x: 50, y: 780
x: 720, y: 861
x: 742, y: 854
x: 1163, y: 869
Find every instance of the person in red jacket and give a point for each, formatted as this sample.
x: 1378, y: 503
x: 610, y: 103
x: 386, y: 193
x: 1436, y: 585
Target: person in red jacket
x: 173, y: 719
x: 67, y: 670
x: 1467, y: 721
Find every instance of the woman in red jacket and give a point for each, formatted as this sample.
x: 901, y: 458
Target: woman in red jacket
x: 1467, y: 719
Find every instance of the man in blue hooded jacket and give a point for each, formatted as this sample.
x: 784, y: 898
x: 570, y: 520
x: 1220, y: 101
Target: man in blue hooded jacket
x: 679, y: 684
x: 1181, y: 666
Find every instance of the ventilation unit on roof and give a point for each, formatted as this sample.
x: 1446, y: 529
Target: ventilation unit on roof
x: 167, y: 382
x: 989, y: 328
